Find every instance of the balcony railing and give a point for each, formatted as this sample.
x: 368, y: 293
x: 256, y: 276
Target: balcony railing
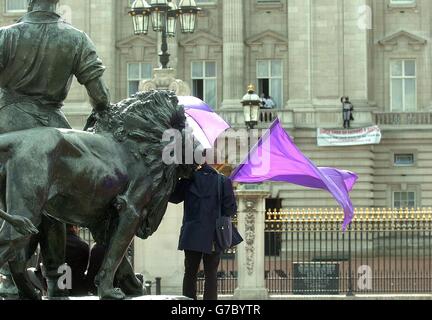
x: 403, y: 118
x: 268, y: 115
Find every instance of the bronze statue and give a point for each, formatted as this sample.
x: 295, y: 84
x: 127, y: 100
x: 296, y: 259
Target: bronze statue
x: 112, y: 180
x: 39, y: 55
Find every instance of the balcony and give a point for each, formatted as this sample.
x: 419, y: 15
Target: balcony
x: 403, y: 118
x: 268, y: 115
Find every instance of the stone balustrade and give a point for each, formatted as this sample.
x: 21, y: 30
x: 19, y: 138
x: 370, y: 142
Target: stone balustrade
x: 403, y: 118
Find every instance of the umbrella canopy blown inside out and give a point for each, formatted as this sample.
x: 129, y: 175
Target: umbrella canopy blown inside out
x: 206, y: 124
x: 276, y: 158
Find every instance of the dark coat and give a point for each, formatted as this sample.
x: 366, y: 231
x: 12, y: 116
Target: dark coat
x: 200, y: 196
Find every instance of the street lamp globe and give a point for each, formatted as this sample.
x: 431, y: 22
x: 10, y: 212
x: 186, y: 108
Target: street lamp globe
x: 172, y: 16
x: 159, y: 9
x: 188, y: 15
x: 140, y: 13
x: 251, y: 104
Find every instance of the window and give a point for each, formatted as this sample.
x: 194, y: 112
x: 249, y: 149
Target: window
x: 403, y: 85
x: 138, y: 72
x: 403, y: 160
x: 269, y: 75
x: 16, y: 5
x: 204, y: 83
x: 403, y: 200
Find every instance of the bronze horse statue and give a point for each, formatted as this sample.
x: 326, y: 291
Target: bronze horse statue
x: 112, y: 181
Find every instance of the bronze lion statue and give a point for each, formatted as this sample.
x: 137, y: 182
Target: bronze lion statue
x: 111, y: 180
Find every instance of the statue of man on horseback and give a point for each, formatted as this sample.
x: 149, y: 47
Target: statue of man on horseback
x: 39, y: 55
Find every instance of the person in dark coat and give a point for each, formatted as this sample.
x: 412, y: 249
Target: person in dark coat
x: 198, y: 232
x: 347, y: 112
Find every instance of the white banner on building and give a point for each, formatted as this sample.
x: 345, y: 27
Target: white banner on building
x: 354, y: 137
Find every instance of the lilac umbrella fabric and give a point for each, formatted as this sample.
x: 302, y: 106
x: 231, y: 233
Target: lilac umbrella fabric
x: 190, y: 102
x: 276, y: 158
x: 206, y: 124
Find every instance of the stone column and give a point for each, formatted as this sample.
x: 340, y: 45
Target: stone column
x: 233, y: 54
x: 250, y: 254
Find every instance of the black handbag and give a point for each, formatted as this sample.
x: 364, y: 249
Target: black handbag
x: 224, y: 225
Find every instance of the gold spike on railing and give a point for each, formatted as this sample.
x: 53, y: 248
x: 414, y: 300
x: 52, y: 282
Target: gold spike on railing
x: 269, y: 215
x: 370, y: 215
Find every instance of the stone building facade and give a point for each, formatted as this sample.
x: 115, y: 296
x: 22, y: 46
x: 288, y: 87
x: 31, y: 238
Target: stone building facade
x: 306, y: 54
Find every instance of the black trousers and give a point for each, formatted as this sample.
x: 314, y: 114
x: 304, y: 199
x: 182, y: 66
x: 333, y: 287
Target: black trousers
x: 192, y: 263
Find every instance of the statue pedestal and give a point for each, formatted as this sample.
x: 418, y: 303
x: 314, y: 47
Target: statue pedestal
x: 165, y: 79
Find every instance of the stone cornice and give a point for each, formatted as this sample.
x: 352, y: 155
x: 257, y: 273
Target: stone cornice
x: 134, y: 40
x: 391, y: 41
x: 200, y: 38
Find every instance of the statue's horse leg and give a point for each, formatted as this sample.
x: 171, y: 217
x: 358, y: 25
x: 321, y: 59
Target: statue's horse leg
x: 119, y: 242
x: 127, y: 280
x: 18, y: 269
x: 25, y: 198
x: 125, y: 277
x: 52, y: 242
x: 18, y: 265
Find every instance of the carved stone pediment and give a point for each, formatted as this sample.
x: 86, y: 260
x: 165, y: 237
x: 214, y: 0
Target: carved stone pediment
x: 268, y: 41
x: 135, y: 41
x: 201, y: 38
x: 203, y: 45
x: 135, y: 47
x: 392, y: 41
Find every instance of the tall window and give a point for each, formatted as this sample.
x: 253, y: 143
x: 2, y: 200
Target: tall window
x: 403, y: 85
x: 403, y: 200
x: 16, y: 5
x: 138, y: 72
x: 204, y: 82
x: 269, y: 74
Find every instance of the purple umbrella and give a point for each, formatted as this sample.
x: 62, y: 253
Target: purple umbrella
x: 206, y: 124
x: 190, y: 102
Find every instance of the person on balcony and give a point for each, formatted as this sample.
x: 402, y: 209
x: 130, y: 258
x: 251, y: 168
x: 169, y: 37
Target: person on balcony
x: 347, y: 112
x: 270, y: 103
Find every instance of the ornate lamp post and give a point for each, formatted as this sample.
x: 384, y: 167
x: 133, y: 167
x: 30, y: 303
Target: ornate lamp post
x: 251, y: 104
x: 164, y: 15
